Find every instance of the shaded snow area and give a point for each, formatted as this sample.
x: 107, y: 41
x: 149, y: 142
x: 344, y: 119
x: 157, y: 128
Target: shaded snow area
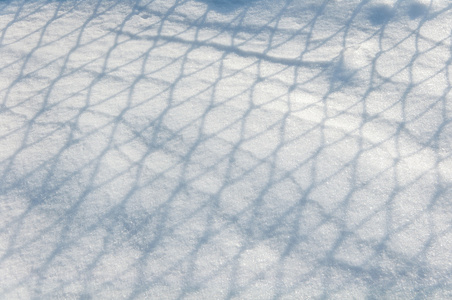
x: 233, y: 149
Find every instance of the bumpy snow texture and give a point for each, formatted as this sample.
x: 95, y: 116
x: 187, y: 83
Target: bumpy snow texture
x: 169, y: 149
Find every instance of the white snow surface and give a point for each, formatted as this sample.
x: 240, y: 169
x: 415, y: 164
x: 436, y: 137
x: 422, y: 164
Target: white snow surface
x: 188, y: 149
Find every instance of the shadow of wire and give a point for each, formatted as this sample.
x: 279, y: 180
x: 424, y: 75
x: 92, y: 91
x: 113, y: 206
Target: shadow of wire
x: 142, y: 173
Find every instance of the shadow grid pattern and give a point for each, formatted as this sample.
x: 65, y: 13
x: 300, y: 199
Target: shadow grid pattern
x: 185, y: 150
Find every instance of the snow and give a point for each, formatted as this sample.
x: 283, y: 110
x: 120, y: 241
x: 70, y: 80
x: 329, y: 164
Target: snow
x: 218, y: 149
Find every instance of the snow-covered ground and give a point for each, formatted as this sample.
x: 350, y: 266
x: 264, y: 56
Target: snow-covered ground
x: 217, y: 149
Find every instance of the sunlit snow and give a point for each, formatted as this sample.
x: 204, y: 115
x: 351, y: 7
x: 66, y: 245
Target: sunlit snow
x: 225, y: 149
